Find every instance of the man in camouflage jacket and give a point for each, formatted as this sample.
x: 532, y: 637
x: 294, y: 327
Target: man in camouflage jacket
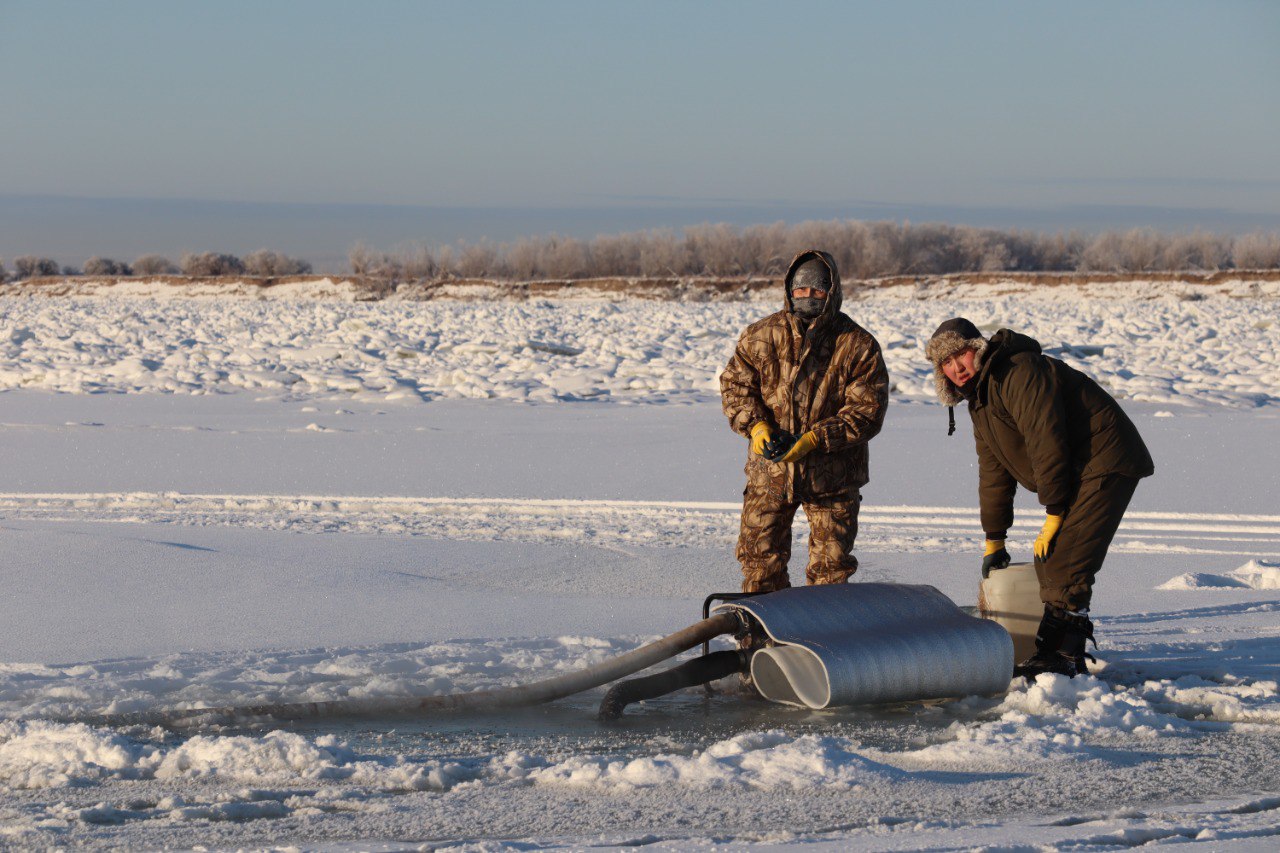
x: 809, y: 374
x: 1041, y: 424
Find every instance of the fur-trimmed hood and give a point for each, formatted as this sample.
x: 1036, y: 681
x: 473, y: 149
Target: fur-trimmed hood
x: 950, y: 338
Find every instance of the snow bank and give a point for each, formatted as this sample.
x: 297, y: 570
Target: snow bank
x: 1054, y: 717
x: 764, y: 760
x: 39, y: 754
x: 1255, y: 574
x: 50, y: 755
x: 1051, y: 719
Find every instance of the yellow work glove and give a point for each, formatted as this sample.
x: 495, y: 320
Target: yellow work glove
x: 994, y: 556
x: 761, y: 435
x: 1043, y: 546
x: 804, y: 444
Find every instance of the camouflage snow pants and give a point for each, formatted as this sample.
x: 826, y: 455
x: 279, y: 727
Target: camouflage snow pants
x: 764, y: 541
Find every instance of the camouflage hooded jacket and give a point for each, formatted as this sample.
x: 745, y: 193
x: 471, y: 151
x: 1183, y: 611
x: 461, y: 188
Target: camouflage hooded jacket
x: 830, y: 379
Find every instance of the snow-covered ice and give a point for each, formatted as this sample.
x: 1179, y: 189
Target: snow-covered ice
x: 238, y: 501
x: 1165, y: 344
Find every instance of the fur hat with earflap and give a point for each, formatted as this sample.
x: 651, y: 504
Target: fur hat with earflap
x: 953, y: 336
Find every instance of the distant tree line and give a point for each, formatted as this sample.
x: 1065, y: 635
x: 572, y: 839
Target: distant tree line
x: 263, y: 262
x: 862, y: 249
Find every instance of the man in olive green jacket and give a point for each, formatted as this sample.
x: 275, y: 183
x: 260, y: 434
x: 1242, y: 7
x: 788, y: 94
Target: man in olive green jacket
x: 808, y: 387
x: 1041, y: 424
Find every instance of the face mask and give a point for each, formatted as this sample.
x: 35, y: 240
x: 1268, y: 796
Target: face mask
x: 809, y: 308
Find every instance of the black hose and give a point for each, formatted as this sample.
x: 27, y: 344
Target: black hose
x: 700, y: 670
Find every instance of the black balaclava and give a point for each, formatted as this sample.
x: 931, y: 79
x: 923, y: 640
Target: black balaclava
x: 812, y: 273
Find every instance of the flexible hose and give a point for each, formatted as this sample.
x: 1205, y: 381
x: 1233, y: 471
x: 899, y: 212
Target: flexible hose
x: 700, y: 670
x: 533, y: 693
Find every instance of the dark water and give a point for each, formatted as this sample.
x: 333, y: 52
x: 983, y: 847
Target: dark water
x: 682, y: 723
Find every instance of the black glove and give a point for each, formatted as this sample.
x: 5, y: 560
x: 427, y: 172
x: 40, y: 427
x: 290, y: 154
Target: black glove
x: 778, y: 445
x: 995, y: 556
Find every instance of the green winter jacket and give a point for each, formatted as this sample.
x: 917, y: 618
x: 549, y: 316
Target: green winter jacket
x: 1045, y: 425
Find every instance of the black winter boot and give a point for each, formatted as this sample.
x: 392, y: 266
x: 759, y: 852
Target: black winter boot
x: 1060, y: 644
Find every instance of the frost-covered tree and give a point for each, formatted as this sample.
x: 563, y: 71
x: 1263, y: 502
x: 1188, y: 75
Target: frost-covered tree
x: 154, y: 265
x: 612, y: 255
x: 360, y: 259
x: 477, y: 260
x: 1056, y: 252
x: 663, y: 254
x: 265, y: 262
x: 1196, y: 251
x: 29, y: 266
x: 714, y: 249
x: 1132, y: 251
x: 762, y: 248
x: 106, y: 266
x: 861, y: 249
x: 1257, y: 251
x: 211, y: 263
x: 417, y: 261
x: 566, y: 257
x: 365, y: 261
x: 524, y: 259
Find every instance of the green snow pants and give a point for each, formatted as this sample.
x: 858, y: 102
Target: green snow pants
x: 1066, y: 578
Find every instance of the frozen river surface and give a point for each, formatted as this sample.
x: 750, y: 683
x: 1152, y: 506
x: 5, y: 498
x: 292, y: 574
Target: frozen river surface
x: 297, y: 544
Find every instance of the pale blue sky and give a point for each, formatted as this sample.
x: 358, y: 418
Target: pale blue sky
x: 926, y: 107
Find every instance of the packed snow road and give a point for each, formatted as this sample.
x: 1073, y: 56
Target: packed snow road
x: 178, y: 550
x: 615, y: 523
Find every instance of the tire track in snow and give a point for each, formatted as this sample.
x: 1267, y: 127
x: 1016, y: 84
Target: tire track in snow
x: 615, y: 522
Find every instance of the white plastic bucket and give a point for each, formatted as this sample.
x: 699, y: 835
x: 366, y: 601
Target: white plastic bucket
x: 1011, y: 598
